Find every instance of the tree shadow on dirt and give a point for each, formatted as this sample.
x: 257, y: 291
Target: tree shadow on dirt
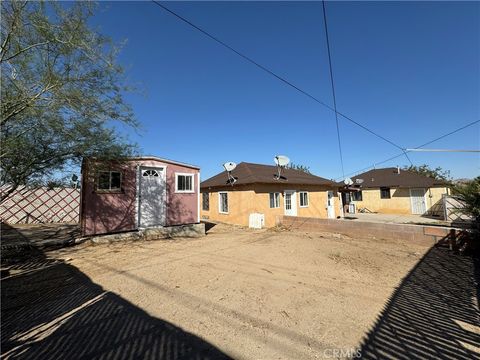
x: 433, y: 314
x: 52, y: 310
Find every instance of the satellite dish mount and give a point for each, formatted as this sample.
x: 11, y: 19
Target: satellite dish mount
x: 282, y: 162
x: 229, y: 167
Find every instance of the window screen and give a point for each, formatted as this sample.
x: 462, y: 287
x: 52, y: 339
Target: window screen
x: 206, y: 201
x: 223, y: 199
x: 185, y: 183
x: 303, y: 198
x: 274, y: 200
x: 109, y: 180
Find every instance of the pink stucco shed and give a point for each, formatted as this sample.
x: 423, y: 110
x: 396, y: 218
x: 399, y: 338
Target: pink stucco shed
x: 118, y: 208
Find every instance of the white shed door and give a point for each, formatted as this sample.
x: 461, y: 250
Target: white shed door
x: 152, y: 199
x: 417, y: 198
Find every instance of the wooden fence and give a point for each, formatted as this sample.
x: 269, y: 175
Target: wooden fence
x: 41, y: 205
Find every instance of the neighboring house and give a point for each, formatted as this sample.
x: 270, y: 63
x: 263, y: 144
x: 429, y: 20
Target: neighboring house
x: 138, y: 193
x: 256, y: 191
x: 396, y: 191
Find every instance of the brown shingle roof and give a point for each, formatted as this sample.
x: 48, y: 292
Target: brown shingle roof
x: 389, y: 177
x: 248, y: 173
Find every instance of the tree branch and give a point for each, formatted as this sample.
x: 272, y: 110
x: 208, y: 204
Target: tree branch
x: 26, y: 49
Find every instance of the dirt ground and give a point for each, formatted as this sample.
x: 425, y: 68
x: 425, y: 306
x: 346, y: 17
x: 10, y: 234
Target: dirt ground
x: 256, y: 294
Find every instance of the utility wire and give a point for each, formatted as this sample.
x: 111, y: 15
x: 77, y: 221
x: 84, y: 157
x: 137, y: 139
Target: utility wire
x: 333, y: 86
x: 409, y: 150
x: 445, y: 150
x: 275, y: 75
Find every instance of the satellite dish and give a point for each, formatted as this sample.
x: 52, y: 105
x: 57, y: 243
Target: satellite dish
x: 229, y: 166
x: 348, y: 181
x: 281, y: 160
x: 358, y: 181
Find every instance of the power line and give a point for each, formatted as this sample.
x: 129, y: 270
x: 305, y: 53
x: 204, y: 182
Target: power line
x: 444, y: 150
x: 418, y: 147
x: 333, y: 86
x: 275, y: 75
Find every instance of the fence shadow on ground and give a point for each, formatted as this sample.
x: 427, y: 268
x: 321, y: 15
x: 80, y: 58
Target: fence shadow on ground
x: 54, y: 311
x: 433, y: 314
x: 38, y: 235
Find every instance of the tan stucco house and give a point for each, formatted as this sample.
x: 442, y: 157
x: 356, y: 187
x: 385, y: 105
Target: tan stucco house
x: 395, y: 191
x: 258, y: 196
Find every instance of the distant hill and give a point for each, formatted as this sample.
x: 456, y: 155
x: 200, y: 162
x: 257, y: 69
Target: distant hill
x: 461, y: 181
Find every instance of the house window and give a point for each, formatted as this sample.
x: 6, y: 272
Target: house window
x: 223, y: 202
x: 303, y: 199
x: 384, y: 193
x: 274, y: 200
x: 109, y: 181
x: 357, y: 196
x: 206, y: 201
x: 184, y: 183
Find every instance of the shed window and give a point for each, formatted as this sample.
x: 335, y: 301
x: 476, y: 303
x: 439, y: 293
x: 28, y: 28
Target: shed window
x: 223, y: 202
x: 206, y: 201
x: 384, y: 193
x: 109, y: 181
x: 184, y: 183
x: 303, y: 199
x: 357, y: 196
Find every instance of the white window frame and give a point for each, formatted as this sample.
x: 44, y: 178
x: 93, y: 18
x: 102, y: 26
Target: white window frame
x: 110, y: 189
x: 300, y: 198
x: 220, y: 202
x: 276, y: 196
x: 185, y: 191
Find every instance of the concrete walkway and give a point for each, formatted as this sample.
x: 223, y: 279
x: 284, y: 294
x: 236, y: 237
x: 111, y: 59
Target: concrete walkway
x: 395, y: 219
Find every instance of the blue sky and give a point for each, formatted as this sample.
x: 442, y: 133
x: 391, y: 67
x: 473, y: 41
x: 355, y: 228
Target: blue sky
x: 407, y: 70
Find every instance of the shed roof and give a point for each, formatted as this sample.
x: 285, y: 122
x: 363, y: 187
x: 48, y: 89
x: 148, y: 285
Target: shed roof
x: 391, y: 177
x: 156, y: 158
x: 249, y: 173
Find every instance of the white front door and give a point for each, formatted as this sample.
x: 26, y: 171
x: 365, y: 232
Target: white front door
x: 330, y: 205
x: 290, y: 197
x: 417, y: 198
x: 152, y: 197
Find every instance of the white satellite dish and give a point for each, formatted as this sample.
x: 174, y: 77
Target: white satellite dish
x: 229, y: 166
x: 358, y: 181
x: 281, y: 160
x: 348, y: 181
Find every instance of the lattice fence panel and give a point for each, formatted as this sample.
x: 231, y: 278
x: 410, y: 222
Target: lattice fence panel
x: 452, y: 207
x: 41, y: 205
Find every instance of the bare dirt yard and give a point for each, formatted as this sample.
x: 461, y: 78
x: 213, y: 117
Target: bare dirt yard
x: 247, y: 294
